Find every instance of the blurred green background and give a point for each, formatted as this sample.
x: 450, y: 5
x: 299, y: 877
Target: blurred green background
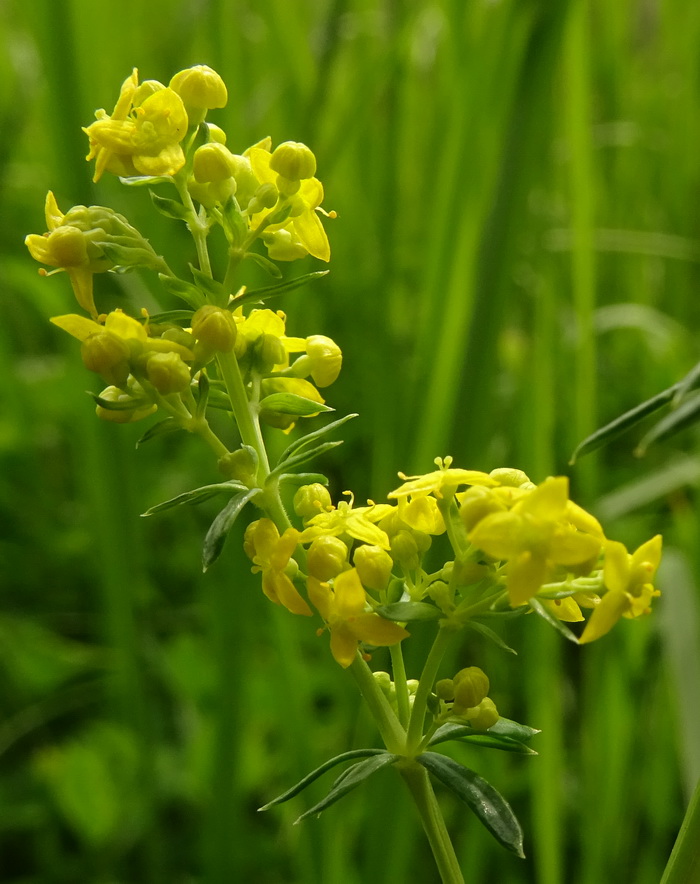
x: 515, y: 262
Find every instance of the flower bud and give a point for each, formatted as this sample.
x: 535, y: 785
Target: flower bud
x: 445, y: 689
x: 471, y: 685
x: 287, y: 187
x: 212, y: 162
x: 326, y: 359
x: 511, y: 477
x: 293, y: 160
x: 265, y: 197
x: 178, y: 336
x: 283, y: 246
x: 486, y: 716
x: 442, y: 595
x: 374, y: 566
x: 241, y: 464
x: 168, y: 373
x: 310, y: 500
x: 216, y: 133
x: 269, y: 351
x: 215, y: 328
x: 326, y: 557
x: 478, y: 502
x: 200, y: 89
x: 107, y: 355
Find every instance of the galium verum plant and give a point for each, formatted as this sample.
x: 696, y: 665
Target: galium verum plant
x: 361, y: 572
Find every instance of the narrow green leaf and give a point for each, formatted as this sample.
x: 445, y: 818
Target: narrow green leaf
x: 303, y: 457
x: 315, y: 774
x: 488, y: 633
x: 222, y: 524
x: 169, y: 208
x: 488, y: 804
x: 290, y: 403
x: 172, y: 317
x: 303, y: 441
x: 623, y: 423
x: 210, y: 286
x: 197, y: 495
x: 275, y: 291
x: 690, y: 382
x: 405, y: 611
x: 553, y: 621
x: 513, y: 729
x: 265, y: 263
x: 121, y: 405
x: 183, y: 290
x: 162, y: 428
x: 466, y: 734
x: 687, y: 414
x: 203, y: 388
x: 218, y: 398
x: 349, y: 780
x: 303, y: 479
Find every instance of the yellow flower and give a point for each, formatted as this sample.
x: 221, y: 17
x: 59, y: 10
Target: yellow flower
x: 139, y: 140
x: 534, y: 537
x: 356, y: 522
x: 303, y: 224
x: 344, y: 609
x: 444, y: 477
x: 628, y: 579
x: 271, y: 554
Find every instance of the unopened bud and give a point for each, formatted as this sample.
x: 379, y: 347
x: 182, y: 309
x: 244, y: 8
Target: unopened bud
x: 326, y: 557
x: 471, y: 685
x: 269, y: 351
x: 486, y: 716
x: 122, y: 415
x: 212, y: 162
x: 405, y: 551
x: 293, y: 160
x: 241, y: 465
x: 325, y: 358
x: 445, y: 689
x: 310, y: 500
x: 477, y: 503
x: 374, y: 566
x: 168, y: 373
x: 200, y: 89
x: 215, y: 328
x: 107, y: 355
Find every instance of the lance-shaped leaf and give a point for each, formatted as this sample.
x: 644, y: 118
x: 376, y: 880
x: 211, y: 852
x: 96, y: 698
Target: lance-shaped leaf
x: 553, y: 621
x: 290, y: 403
x: 690, y: 382
x: 310, y: 438
x: 302, y: 457
x: 315, y: 774
x: 214, y: 289
x: 265, y: 263
x: 162, y: 428
x: 466, y: 734
x: 487, y: 803
x: 405, y: 611
x: 172, y: 317
x: 349, y: 780
x: 222, y: 524
x: 488, y: 633
x: 183, y: 290
x: 508, y: 728
x: 275, y: 291
x: 687, y: 414
x: 197, y: 495
x: 623, y: 423
x: 170, y: 208
x: 303, y: 479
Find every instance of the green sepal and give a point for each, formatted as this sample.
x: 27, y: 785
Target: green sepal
x: 183, y: 290
x: 162, y: 428
x: 144, y: 180
x: 169, y: 208
x: 265, y: 263
x: 303, y: 441
x: 685, y: 415
x: 488, y: 633
x: 315, y: 774
x: 623, y: 423
x: 212, y: 288
x: 275, y: 291
x: 122, y: 405
x: 553, y: 621
x: 302, y: 479
x: 487, y: 803
x: 465, y: 734
x: 402, y: 612
x: 197, y: 495
x: 290, y: 403
x: 173, y: 317
x: 222, y: 524
x: 349, y: 780
x: 303, y: 456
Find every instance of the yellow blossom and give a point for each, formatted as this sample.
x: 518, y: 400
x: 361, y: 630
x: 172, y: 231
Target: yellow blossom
x: 344, y: 608
x: 271, y: 554
x: 628, y: 579
x: 534, y: 537
x: 444, y: 477
x: 141, y: 140
x: 356, y: 522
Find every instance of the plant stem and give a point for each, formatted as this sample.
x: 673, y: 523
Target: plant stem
x: 247, y: 424
x: 427, y: 680
x: 399, y: 672
x: 416, y: 778
x: 684, y: 864
x: 393, y: 734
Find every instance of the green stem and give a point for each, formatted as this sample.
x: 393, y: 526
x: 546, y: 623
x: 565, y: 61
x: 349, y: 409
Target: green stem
x: 684, y: 864
x: 399, y: 672
x: 425, y: 685
x: 416, y: 778
x: 247, y: 424
x: 389, y: 726
x: 198, y: 230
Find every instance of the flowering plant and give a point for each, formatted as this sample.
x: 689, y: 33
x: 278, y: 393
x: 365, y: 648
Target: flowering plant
x: 363, y: 573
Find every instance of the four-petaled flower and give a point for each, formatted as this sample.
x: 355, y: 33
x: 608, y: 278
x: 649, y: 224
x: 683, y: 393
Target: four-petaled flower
x: 344, y: 608
x: 628, y: 579
x: 271, y: 554
x: 534, y: 537
x: 445, y: 477
x: 356, y: 522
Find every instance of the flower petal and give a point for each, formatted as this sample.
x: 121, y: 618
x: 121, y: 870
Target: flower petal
x: 612, y: 606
